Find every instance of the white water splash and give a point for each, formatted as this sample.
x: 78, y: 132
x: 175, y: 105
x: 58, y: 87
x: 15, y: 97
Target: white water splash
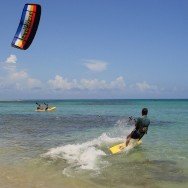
x: 87, y: 155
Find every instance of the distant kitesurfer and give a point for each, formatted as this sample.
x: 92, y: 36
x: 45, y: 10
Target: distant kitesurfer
x: 141, y: 127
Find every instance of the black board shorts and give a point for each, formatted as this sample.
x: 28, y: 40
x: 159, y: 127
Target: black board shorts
x: 136, y: 135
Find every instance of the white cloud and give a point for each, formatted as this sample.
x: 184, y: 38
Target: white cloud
x: 18, y: 75
x: 11, y: 59
x: 118, y: 83
x: 92, y: 84
x: 143, y: 86
x: 21, y: 80
x: 95, y: 65
x: 59, y: 83
x: 34, y: 83
x: 16, y: 79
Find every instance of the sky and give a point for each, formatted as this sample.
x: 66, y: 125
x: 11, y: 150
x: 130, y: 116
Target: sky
x: 97, y: 49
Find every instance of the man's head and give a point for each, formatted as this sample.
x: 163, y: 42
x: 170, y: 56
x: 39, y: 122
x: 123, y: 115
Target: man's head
x: 144, y: 111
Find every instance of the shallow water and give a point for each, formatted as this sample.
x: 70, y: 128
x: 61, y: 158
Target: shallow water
x: 69, y: 147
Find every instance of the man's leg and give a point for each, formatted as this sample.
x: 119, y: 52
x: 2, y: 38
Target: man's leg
x: 128, y: 138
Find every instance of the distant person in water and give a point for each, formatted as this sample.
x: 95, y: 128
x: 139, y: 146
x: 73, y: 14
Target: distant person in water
x: 46, y: 108
x: 141, y: 127
x: 39, y: 107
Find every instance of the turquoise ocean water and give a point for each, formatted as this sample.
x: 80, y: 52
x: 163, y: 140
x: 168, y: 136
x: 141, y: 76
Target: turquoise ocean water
x: 70, y: 147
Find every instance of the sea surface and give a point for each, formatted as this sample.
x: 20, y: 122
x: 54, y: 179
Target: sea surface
x: 70, y: 146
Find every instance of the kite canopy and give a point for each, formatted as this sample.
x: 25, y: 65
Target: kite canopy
x: 27, y: 27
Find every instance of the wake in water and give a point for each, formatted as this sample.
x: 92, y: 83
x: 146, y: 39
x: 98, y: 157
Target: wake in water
x: 90, y: 155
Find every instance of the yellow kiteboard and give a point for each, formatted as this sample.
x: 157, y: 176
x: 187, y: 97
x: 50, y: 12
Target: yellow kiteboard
x: 120, y: 147
x: 48, y: 110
